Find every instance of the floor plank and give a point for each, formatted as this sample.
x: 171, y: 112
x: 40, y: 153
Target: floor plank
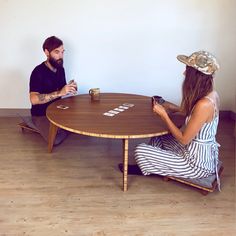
x: 77, y: 190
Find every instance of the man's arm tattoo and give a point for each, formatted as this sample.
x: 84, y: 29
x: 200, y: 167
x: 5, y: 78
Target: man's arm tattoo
x: 42, y: 97
x: 47, y: 97
x: 50, y: 97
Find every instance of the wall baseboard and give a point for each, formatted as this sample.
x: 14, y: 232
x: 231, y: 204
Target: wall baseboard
x: 233, y: 115
x: 5, y: 112
x: 228, y: 114
x: 14, y: 112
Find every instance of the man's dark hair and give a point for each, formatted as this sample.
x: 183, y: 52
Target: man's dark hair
x: 51, y: 43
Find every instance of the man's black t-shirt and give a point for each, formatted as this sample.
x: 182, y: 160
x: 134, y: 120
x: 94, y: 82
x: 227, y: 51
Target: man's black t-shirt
x: 44, y: 81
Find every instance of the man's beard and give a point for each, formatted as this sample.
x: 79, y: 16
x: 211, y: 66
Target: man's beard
x: 56, y: 63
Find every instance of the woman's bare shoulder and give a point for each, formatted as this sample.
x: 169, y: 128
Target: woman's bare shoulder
x: 205, y: 108
x: 203, y: 103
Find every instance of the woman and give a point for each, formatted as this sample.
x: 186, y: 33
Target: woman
x: 192, y: 151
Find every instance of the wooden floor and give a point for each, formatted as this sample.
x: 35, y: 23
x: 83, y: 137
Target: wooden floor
x: 77, y: 190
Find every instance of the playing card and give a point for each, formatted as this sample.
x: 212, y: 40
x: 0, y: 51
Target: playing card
x: 128, y: 104
x: 63, y: 107
x: 114, y: 112
x: 108, y: 114
x: 123, y: 107
x: 118, y: 109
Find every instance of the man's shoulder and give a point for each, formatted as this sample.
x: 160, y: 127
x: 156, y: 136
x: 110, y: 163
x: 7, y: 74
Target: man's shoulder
x: 38, y: 71
x: 39, y: 67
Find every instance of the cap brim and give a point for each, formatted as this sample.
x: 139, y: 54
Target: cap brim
x: 183, y: 59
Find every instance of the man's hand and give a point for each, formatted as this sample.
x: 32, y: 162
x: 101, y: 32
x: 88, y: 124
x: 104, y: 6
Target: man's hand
x: 70, y: 88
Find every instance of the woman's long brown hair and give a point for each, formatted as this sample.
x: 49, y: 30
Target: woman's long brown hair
x: 195, y: 86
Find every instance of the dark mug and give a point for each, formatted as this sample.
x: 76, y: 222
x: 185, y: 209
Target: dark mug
x: 95, y: 94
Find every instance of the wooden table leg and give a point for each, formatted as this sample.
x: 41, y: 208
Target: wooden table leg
x: 125, y: 164
x: 51, y: 136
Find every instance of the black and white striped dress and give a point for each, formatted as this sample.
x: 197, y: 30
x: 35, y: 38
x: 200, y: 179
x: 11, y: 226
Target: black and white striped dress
x: 164, y: 155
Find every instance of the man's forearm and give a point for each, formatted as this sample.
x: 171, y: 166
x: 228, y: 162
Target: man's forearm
x: 37, y: 98
x: 44, y: 98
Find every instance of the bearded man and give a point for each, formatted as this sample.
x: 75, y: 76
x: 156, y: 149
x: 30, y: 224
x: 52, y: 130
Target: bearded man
x: 47, y: 84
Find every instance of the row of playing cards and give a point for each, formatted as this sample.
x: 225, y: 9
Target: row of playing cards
x: 119, y: 109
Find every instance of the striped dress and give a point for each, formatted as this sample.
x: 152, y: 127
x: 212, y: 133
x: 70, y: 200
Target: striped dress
x: 164, y: 155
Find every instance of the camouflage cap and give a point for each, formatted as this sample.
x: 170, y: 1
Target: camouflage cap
x: 202, y: 61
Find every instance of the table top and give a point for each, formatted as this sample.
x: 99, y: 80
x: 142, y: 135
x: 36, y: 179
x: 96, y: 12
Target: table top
x: 86, y: 117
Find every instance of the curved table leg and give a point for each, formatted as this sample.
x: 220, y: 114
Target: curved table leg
x: 51, y: 136
x: 125, y: 163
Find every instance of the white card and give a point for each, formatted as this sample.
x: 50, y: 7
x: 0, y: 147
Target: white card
x: 128, y: 104
x: 63, y: 107
x: 113, y: 112
x: 108, y: 114
x: 123, y: 107
x: 118, y: 109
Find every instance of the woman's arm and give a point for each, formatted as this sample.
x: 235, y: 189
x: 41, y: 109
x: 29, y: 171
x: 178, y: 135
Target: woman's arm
x: 201, y: 114
x: 171, y: 107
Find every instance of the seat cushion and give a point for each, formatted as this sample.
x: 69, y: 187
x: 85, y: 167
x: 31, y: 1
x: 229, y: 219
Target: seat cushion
x: 28, y: 121
x: 204, y: 182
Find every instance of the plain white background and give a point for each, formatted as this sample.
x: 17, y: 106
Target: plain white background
x: 127, y: 46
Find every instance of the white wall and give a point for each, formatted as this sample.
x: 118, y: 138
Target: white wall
x: 120, y: 46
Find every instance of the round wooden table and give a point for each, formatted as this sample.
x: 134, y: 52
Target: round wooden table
x: 86, y: 117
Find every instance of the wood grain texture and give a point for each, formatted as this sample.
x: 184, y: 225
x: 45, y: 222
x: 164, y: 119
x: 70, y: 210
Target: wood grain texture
x: 76, y: 190
x: 86, y: 117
